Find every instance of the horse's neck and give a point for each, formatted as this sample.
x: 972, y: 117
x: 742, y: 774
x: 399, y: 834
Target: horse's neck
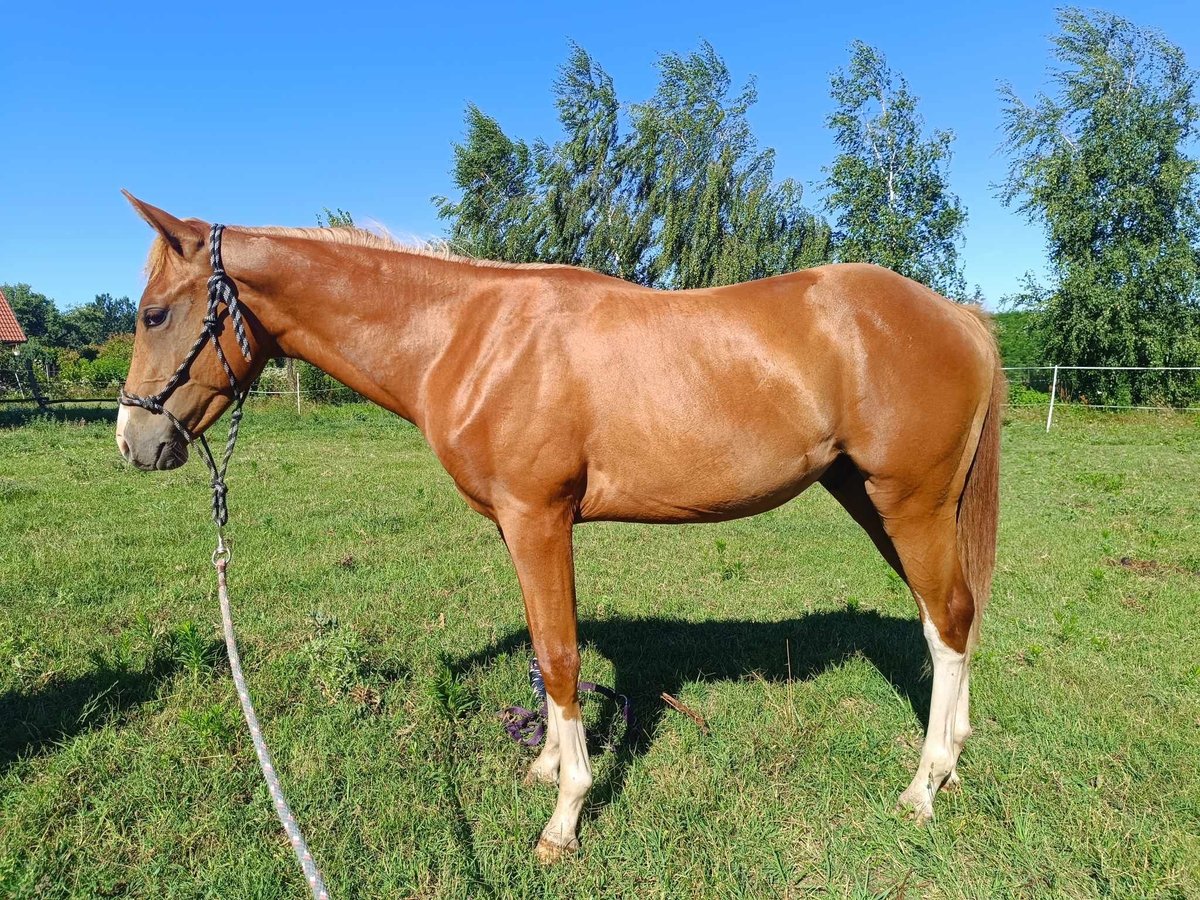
x: 375, y: 320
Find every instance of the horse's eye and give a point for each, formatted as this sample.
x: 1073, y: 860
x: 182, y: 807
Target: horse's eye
x: 154, y: 317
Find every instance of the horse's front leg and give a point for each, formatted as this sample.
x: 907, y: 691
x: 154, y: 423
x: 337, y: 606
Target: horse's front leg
x: 544, y: 769
x: 539, y: 542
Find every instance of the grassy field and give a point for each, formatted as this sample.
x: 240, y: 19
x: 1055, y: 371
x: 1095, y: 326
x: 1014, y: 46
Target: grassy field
x: 382, y: 632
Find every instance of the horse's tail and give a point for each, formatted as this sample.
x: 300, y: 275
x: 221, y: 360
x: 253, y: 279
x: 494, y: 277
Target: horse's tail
x: 979, y: 506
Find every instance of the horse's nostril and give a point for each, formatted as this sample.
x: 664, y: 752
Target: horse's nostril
x: 123, y: 446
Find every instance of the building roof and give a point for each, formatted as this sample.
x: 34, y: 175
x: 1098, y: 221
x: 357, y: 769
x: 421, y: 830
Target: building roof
x: 10, y: 328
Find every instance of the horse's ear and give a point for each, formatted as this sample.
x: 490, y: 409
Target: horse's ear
x: 184, y: 236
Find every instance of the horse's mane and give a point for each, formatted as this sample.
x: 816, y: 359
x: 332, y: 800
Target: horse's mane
x: 355, y: 237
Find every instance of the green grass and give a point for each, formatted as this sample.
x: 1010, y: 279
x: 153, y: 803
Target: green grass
x: 382, y: 632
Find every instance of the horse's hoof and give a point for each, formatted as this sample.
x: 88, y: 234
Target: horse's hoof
x: 549, y: 852
x: 536, y: 775
x: 952, y: 784
x: 917, y: 804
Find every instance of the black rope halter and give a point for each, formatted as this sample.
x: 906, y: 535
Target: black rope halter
x: 221, y: 291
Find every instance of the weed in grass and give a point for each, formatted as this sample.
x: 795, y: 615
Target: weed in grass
x: 322, y: 623
x: 120, y: 656
x: 451, y: 694
x: 150, y: 633
x: 27, y: 663
x: 213, y: 724
x: 729, y: 569
x: 340, y: 665
x: 1102, y: 481
x: 195, y: 652
x: 337, y: 660
x: 12, y: 490
x: 366, y: 698
x: 1069, y: 626
x: 895, y: 584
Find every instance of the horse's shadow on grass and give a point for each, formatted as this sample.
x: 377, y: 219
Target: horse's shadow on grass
x: 653, y: 655
x: 42, y: 719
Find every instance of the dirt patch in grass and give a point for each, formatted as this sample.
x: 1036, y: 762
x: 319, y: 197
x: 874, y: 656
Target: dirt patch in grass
x: 1151, y: 566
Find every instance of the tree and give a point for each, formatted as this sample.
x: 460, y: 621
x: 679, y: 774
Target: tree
x: 1100, y: 163
x: 338, y: 218
x: 1017, y: 335
x: 498, y: 216
x: 91, y: 323
x: 38, y: 316
x: 94, y: 323
x: 588, y: 218
x: 888, y: 188
x: 684, y: 198
x: 719, y: 216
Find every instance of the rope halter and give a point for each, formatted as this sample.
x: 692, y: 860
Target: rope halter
x: 222, y: 291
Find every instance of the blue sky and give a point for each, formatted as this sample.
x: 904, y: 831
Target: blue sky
x: 263, y: 114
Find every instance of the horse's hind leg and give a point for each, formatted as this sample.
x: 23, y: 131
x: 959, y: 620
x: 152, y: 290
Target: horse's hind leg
x: 926, y: 542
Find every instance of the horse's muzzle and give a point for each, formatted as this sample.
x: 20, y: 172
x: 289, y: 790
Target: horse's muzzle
x: 149, y: 442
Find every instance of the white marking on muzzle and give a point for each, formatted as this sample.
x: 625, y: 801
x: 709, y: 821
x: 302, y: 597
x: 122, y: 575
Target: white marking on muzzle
x: 122, y: 421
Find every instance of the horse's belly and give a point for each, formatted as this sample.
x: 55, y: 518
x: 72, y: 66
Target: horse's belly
x: 700, y: 483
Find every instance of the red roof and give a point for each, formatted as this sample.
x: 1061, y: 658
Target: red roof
x: 10, y: 328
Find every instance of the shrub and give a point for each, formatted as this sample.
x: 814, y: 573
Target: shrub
x: 1024, y: 395
x: 322, y: 388
x: 98, y: 366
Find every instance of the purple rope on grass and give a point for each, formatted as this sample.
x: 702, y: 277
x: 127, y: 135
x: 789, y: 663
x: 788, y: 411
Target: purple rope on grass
x: 528, y: 726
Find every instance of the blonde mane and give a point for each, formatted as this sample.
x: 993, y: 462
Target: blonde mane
x: 354, y: 237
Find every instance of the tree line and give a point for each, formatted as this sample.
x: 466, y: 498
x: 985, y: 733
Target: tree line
x: 90, y: 344
x: 675, y: 192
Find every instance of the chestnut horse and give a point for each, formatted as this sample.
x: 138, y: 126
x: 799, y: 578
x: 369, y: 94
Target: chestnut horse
x: 554, y: 395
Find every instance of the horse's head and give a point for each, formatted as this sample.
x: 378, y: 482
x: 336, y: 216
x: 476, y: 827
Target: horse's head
x: 170, y: 319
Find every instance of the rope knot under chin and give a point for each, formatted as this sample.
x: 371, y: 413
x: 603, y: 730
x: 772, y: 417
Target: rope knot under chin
x: 220, y: 502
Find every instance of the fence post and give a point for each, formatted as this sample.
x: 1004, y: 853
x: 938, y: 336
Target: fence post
x: 1053, y: 391
x: 293, y: 373
x: 33, y: 384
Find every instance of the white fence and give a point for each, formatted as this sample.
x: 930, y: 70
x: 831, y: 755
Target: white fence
x: 21, y: 385
x: 1054, y: 370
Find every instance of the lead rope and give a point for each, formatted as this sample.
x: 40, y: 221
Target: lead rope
x: 222, y: 290
x: 311, y: 873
